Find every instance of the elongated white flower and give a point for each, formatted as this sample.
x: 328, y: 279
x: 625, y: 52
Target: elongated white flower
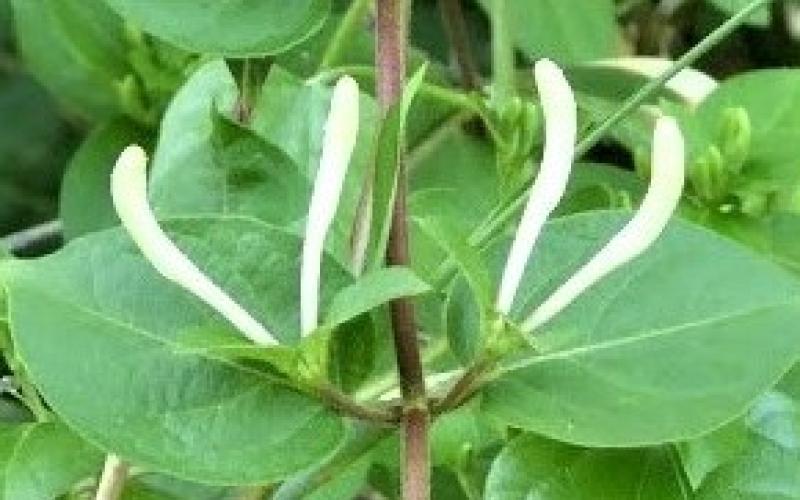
x: 560, y: 113
x: 338, y: 144
x: 129, y: 193
x: 661, y: 200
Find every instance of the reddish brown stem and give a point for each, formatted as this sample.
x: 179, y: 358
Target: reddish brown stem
x: 391, y: 33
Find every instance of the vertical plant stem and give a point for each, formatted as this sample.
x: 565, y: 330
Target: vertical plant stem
x: 392, y: 17
x: 112, y: 481
x: 457, y: 34
x: 503, y: 79
x: 350, y: 22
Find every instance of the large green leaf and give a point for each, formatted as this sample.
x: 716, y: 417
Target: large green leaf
x: 205, y: 163
x: 754, y: 458
x: 76, y: 49
x: 661, y: 350
x: 101, y: 335
x: 41, y: 461
x: 238, y: 28
x: 291, y: 114
x: 533, y: 468
x: 566, y: 30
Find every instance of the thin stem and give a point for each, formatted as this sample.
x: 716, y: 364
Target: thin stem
x: 349, y: 407
x: 34, y: 236
x: 465, y: 387
x: 455, y: 28
x: 350, y: 22
x: 503, y: 76
x: 112, y: 481
x: 246, y: 97
x: 392, y: 18
x: 444, y: 95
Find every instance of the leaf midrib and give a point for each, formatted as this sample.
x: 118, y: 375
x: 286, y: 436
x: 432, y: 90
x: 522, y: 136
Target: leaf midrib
x: 641, y: 336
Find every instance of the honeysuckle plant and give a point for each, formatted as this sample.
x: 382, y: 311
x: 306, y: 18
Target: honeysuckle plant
x: 315, y: 278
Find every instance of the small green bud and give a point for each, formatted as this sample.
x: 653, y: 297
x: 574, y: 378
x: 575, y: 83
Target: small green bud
x: 530, y: 127
x: 708, y: 175
x: 753, y: 203
x: 641, y: 162
x: 734, y: 139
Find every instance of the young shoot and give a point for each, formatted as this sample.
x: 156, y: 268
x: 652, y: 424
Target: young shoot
x: 129, y: 194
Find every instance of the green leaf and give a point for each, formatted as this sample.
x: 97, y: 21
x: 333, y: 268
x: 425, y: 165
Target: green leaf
x: 41, y: 461
x: 467, y: 308
x: 291, y: 113
x: 372, y: 290
x: 661, y: 350
x: 390, y: 145
x: 533, y: 468
x: 565, y: 30
x: 86, y: 189
x: 237, y: 28
x: 454, y: 178
x: 466, y: 257
x: 205, y: 163
x: 159, y: 487
x: 76, y: 49
x: 96, y: 315
x: 755, y: 457
x: 594, y: 186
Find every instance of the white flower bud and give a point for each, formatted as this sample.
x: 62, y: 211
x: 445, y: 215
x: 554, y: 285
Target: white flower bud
x: 661, y: 200
x: 560, y: 113
x: 129, y: 193
x: 338, y: 144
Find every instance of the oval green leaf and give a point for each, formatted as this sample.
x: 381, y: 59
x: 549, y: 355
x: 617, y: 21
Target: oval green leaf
x: 43, y: 460
x: 534, y: 468
x: 101, y: 335
x: 233, y: 28
x: 668, y: 348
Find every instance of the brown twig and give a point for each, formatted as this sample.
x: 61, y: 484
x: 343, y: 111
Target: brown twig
x: 455, y: 28
x: 391, y: 33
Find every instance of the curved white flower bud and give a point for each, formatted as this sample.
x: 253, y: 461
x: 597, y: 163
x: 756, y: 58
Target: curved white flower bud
x: 129, y: 193
x: 661, y: 200
x: 338, y: 144
x: 560, y: 113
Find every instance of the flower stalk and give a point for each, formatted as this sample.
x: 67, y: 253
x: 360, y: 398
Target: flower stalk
x: 112, y: 480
